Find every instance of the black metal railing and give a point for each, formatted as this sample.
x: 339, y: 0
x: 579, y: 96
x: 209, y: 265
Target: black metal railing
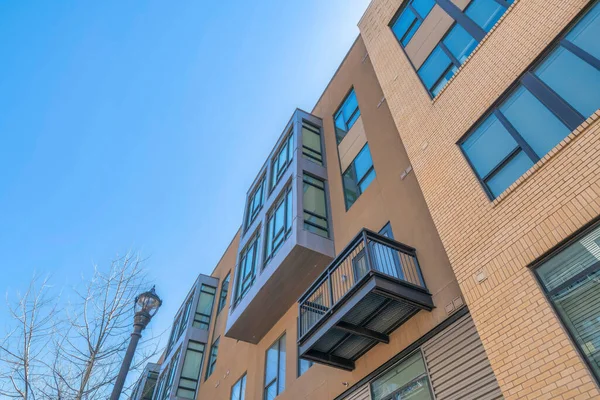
x: 367, y: 252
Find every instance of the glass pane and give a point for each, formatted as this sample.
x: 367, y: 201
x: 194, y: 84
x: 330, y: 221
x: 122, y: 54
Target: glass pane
x: 237, y: 389
x: 243, y: 390
x: 191, y: 365
x: 281, y: 377
x: 433, y: 68
x: 271, y: 368
x: 314, y: 200
x: 363, y: 162
x: 205, y: 303
x: 349, y: 106
x: 408, y: 380
x: 488, y: 145
x: 586, y: 33
x: 350, y: 187
x: 269, y: 237
x: 485, y: 13
x: 311, y: 140
x: 536, y: 124
x: 289, y: 209
x: 404, y: 22
x: 339, y: 122
x: 271, y: 391
x: 278, y: 218
x: 367, y: 181
x: 572, y: 279
x: 423, y: 6
x: 442, y: 82
x: 509, y: 173
x: 460, y: 43
x: 573, y: 79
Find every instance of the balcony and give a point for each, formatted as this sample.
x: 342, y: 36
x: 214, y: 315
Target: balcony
x: 368, y: 291
x: 285, y: 241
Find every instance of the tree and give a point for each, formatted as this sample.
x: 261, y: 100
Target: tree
x: 84, y: 341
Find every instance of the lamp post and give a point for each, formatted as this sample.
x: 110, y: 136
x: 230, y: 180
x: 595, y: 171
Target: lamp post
x: 146, y: 305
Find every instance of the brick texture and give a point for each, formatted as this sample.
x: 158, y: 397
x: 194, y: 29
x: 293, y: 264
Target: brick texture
x: 529, y: 350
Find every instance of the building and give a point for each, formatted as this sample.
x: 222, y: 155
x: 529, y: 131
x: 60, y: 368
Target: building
x: 428, y: 230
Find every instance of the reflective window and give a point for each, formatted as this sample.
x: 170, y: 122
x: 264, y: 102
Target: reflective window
x: 358, y: 176
x: 279, y: 224
x: 282, y: 158
x: 409, y: 20
x: 315, y: 206
x: 275, y: 369
x: 247, y: 268
x: 407, y: 380
x: 303, y: 366
x: 205, y: 306
x: 311, y: 143
x: 238, y: 391
x: 547, y: 104
x: 214, y: 350
x: 346, y: 116
x: 585, y: 35
x: 571, y: 280
x: 223, y: 295
x: 181, y: 322
x: 485, y: 13
x: 255, y: 202
x: 190, y: 371
x: 165, y: 383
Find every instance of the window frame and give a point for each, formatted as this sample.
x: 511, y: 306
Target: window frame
x: 251, y: 215
x: 358, y: 181
x: 242, y: 394
x: 285, y: 232
x: 185, y: 354
x: 254, y: 244
x: 556, y: 250
x: 224, y: 292
x: 460, y: 17
x: 210, y: 366
x: 326, y: 217
x: 318, y: 159
x: 559, y: 107
x: 275, y: 381
x: 287, y: 143
x: 340, y: 109
x: 199, y: 314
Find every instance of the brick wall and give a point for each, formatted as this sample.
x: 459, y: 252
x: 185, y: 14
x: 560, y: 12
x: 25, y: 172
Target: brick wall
x: 529, y: 349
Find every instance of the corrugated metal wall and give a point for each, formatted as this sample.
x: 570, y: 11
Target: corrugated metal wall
x: 458, y: 365
x: 362, y: 394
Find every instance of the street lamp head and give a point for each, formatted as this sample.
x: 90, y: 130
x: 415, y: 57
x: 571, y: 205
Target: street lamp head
x: 147, y: 303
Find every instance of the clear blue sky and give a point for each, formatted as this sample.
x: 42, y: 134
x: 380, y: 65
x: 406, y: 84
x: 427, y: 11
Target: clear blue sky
x: 140, y: 125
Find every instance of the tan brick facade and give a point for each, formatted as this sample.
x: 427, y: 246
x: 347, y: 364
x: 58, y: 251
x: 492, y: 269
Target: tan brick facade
x: 529, y: 349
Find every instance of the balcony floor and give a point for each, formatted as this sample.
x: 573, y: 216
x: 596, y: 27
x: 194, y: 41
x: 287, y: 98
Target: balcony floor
x: 365, y: 317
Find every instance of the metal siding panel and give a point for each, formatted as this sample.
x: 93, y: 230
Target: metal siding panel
x: 458, y: 365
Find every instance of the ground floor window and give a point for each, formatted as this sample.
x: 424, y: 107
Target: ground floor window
x: 407, y: 380
x: 571, y: 280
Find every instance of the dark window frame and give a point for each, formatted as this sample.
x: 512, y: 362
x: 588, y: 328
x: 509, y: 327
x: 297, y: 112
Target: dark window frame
x: 326, y: 217
x: 241, y: 290
x: 277, y: 377
x: 556, y: 250
x: 307, y: 151
x: 341, y: 108
x: 283, y: 234
x: 212, y: 358
x: 185, y: 354
x: 199, y: 315
x: 224, y: 292
x: 459, y: 16
x: 251, y: 214
x: 571, y: 118
x: 277, y: 174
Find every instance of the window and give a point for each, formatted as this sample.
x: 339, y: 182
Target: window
x: 223, y: 295
x: 279, y: 224
x: 571, y: 281
x: 407, y: 380
x: 311, y: 143
x: 346, y: 116
x: 247, y: 268
x: 166, y: 379
x: 180, y: 323
x: 358, y: 176
x: 255, y: 202
x: 275, y: 369
x: 405, y: 24
x: 214, y: 349
x: 303, y: 366
x: 315, y: 206
x: 205, y: 305
x: 469, y: 28
x: 282, y: 158
x: 547, y: 103
x: 190, y: 372
x: 238, y: 391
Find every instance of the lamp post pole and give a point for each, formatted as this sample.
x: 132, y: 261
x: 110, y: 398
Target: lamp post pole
x: 146, y: 306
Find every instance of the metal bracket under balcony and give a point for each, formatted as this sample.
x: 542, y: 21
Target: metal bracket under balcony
x: 369, y: 290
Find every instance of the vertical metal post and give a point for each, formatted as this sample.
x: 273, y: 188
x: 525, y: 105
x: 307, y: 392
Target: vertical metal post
x: 330, y: 290
x: 367, y: 251
x: 133, y: 342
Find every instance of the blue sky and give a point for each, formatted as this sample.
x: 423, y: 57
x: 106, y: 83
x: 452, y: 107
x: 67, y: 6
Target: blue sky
x: 140, y: 125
